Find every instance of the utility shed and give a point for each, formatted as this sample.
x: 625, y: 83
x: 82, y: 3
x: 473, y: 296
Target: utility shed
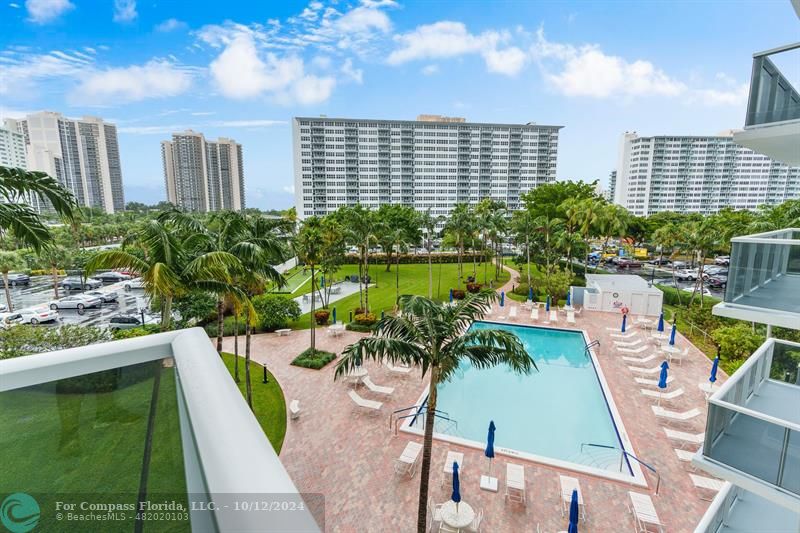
x: 612, y: 292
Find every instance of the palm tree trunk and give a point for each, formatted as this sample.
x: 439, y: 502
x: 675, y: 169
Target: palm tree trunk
x: 389, y: 260
x: 235, y: 346
x: 247, y: 384
x: 220, y: 323
x: 166, y: 312
x: 474, y: 259
x: 430, y: 273
x: 528, y: 257
x: 54, y: 269
x: 8, y: 292
x: 360, y: 278
x: 427, y: 449
x: 366, y: 283
x: 485, y: 257
x: 313, y: 321
x: 397, y: 280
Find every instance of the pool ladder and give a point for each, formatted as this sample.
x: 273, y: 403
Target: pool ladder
x: 418, y: 410
x: 590, y: 346
x: 625, y: 455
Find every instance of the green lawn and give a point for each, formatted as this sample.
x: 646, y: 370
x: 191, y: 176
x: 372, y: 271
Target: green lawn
x: 269, y: 404
x: 413, y: 280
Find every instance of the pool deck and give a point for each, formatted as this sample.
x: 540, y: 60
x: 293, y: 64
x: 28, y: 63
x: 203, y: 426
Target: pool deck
x: 349, y: 456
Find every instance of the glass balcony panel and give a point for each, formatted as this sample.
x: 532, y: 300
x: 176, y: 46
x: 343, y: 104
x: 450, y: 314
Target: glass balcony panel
x: 773, y: 97
x: 791, y: 470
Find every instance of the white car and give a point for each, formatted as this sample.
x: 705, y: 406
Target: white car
x: 9, y: 319
x: 37, y: 315
x: 78, y: 301
x: 706, y: 292
x: 106, y: 296
x: 135, y: 283
x: 688, y: 274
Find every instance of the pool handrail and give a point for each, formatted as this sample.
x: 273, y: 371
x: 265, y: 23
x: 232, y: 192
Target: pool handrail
x: 622, y: 457
x: 422, y: 409
x: 590, y: 346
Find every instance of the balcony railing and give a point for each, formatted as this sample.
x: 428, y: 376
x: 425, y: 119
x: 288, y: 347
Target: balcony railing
x: 753, y: 428
x: 773, y: 99
x: 764, y: 279
x: 735, y: 510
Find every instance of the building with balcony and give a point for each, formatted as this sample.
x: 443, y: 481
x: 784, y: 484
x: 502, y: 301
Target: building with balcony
x: 698, y: 174
x: 12, y: 149
x: 431, y: 163
x: 752, y: 436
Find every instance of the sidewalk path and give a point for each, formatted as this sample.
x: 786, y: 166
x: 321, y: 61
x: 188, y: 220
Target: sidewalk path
x: 348, y: 288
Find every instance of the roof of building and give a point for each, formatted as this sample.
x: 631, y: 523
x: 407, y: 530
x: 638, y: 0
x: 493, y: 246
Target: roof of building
x: 619, y: 282
x: 529, y: 125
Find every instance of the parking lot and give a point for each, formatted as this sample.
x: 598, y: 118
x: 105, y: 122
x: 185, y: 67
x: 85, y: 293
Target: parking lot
x: 40, y: 293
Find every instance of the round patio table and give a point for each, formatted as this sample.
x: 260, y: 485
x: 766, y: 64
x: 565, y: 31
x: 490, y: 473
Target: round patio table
x: 357, y: 373
x: 457, y: 517
x: 670, y: 349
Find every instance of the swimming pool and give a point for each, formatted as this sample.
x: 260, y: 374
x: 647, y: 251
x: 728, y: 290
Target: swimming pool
x: 562, y: 415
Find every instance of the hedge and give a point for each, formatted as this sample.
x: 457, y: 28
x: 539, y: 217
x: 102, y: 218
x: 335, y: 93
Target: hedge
x: 380, y: 258
x: 314, y: 359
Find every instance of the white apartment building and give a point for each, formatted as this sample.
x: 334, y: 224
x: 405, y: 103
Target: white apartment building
x: 698, y: 174
x: 431, y: 163
x: 203, y: 175
x: 12, y: 149
x: 82, y: 154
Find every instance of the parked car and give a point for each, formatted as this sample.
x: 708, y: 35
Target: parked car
x: 76, y: 284
x: 15, y: 278
x: 678, y: 264
x: 660, y: 262
x: 135, y: 283
x: 78, y: 301
x: 687, y: 274
x: 722, y: 260
x: 37, y: 315
x: 628, y: 263
x: 706, y: 292
x: 719, y: 281
x: 9, y: 319
x: 111, y: 277
x: 107, y: 297
x: 130, y: 321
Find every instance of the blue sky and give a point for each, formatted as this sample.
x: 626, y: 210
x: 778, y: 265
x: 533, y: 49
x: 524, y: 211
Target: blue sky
x: 244, y: 69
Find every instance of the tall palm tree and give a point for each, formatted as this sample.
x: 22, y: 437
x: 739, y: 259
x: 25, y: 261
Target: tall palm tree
x: 666, y: 238
x: 17, y: 186
x: 458, y: 227
x: 586, y: 217
x: 701, y: 237
x: 9, y: 261
x: 56, y: 257
x: 362, y: 225
x: 428, y: 223
x: 498, y: 225
x: 436, y: 338
x: 308, y: 246
x: 522, y: 222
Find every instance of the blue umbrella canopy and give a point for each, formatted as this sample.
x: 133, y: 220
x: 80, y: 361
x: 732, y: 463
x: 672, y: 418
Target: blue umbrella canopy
x: 502, y: 298
x: 573, y: 528
x: 714, y: 366
x: 334, y: 315
x: 573, y: 510
x: 661, y: 322
x: 456, y: 496
x: 569, y: 298
x: 451, y: 295
x: 530, y: 293
x: 672, y: 334
x: 624, y: 322
x: 490, y: 441
x: 547, y: 303
x: 662, y: 378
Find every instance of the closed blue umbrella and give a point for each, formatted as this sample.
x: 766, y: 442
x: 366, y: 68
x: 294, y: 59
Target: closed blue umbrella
x: 456, y: 496
x: 573, y: 511
x: 451, y: 295
x: 672, y: 334
x: 323, y: 282
x: 661, y: 322
x: 573, y: 528
x: 547, y: 303
x: 569, y: 299
x: 334, y: 315
x: 713, y: 377
x: 662, y: 378
x: 489, y: 452
x: 530, y: 293
x: 502, y: 298
x: 624, y: 322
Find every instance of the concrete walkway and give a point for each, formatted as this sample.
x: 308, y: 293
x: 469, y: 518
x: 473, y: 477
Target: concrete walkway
x: 347, y: 288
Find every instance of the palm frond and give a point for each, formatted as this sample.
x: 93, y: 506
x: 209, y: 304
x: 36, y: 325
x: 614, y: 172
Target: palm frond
x: 116, y: 259
x: 378, y: 349
x: 25, y: 224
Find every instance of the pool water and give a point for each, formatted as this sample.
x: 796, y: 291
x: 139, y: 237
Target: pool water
x: 549, y: 413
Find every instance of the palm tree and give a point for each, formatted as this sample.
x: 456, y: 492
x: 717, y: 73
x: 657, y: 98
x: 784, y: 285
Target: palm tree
x: 17, y: 186
x: 436, y: 338
x: 522, y: 221
x: 428, y: 223
x: 701, y: 237
x: 361, y: 225
x: 612, y: 222
x: 458, y: 227
x: 586, y: 217
x: 666, y: 238
x: 498, y: 224
x: 56, y: 257
x: 308, y: 246
x: 9, y: 261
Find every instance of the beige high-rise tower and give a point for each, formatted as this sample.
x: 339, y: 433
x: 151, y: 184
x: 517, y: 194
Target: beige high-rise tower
x: 202, y: 175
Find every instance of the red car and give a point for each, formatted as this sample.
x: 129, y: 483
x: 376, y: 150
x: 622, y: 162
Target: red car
x: 628, y: 263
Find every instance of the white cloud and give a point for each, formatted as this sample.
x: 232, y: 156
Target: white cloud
x: 44, y: 11
x: 21, y: 71
x: 364, y: 19
x: 14, y: 6
x: 202, y: 113
x: 167, y: 129
x: 312, y: 89
x: 322, y: 62
x: 430, y: 70
x: 355, y: 74
x: 170, y: 25
x: 587, y: 71
x: 448, y: 39
x: 125, y: 10
x: 155, y: 79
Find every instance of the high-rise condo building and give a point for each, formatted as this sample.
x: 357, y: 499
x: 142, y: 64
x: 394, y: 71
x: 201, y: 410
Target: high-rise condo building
x: 612, y: 186
x: 82, y: 154
x: 12, y: 149
x: 203, y: 175
x: 698, y: 174
x: 431, y: 163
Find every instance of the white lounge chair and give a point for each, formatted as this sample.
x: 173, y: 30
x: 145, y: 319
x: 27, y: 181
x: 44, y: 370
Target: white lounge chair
x: 336, y: 329
x: 641, y: 359
x: 707, y: 484
x: 708, y: 388
x: 396, y: 369
x: 640, y: 349
x: 435, y: 514
x: 675, y: 416
x: 376, y: 388
x: 624, y: 335
x: 407, y: 462
x: 679, y: 357
x: 570, y: 317
x: 643, y: 370
x: 630, y: 326
x: 644, y: 513
x: 553, y: 315
x: 283, y: 332
x: 685, y: 456
x: 369, y: 405
x: 447, y: 470
x: 568, y: 484
x: 628, y: 344
x: 475, y: 526
x: 294, y: 409
x: 515, y: 483
x: 535, y: 313
x: 671, y: 395
x: 692, y: 438
x: 653, y: 382
x: 512, y: 312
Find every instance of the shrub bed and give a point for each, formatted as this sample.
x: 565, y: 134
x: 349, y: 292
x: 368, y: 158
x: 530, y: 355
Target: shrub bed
x: 321, y: 316
x: 379, y: 258
x: 365, y: 319
x: 361, y: 328
x: 314, y: 359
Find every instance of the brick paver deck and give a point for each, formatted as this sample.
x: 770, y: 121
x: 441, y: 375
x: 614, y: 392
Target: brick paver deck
x: 348, y: 455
